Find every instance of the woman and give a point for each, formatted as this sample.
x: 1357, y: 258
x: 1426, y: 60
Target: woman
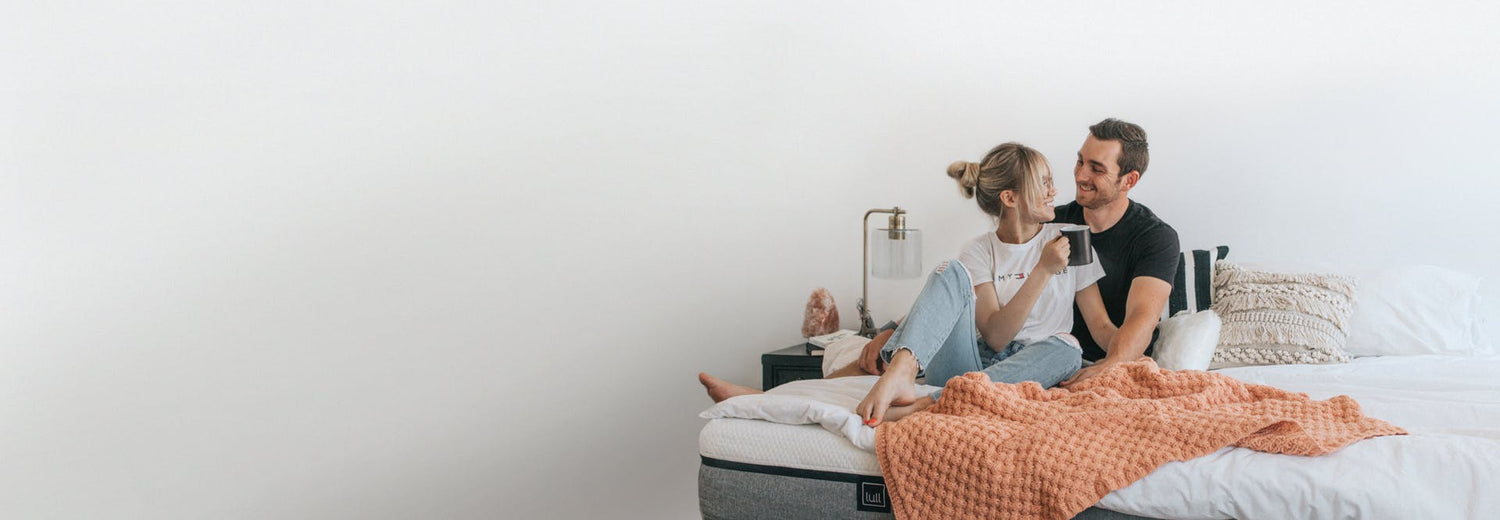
x: 1013, y: 285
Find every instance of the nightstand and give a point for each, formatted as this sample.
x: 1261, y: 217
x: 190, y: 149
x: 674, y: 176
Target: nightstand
x: 790, y: 364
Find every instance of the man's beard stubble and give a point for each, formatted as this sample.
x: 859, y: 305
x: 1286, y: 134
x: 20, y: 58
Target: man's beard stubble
x: 1100, y: 199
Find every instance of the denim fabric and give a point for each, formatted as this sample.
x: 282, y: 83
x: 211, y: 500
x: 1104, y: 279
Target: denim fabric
x: 939, y: 331
x: 1047, y: 361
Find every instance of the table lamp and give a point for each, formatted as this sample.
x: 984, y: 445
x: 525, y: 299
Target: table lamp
x: 898, y: 254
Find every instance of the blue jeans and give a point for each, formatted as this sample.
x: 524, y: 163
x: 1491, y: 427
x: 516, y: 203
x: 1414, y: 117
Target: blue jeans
x: 939, y: 331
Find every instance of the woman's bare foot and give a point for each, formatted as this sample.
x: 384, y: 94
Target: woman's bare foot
x: 897, y: 386
x: 895, y: 413
x: 719, y: 389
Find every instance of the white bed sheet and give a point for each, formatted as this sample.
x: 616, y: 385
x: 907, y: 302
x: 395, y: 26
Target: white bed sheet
x: 1449, y: 467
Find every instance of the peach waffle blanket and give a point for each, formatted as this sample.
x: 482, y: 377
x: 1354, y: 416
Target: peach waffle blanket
x: 988, y: 450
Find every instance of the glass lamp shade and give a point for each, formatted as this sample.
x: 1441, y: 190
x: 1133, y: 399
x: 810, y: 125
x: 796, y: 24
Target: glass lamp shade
x: 896, y: 253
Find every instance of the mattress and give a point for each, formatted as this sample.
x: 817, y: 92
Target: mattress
x: 760, y: 469
x: 1449, y: 467
x: 754, y: 469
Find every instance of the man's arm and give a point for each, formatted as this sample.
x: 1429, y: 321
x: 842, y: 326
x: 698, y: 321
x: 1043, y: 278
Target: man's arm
x: 1148, y: 295
x: 1143, y: 306
x: 1150, y: 287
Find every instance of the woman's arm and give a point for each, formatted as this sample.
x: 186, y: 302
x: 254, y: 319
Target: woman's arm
x: 1000, y: 323
x: 1091, y: 305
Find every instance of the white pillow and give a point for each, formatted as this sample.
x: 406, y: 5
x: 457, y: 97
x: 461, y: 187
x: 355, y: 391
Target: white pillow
x: 1187, y: 340
x: 826, y: 402
x: 1417, y: 310
x: 842, y: 353
x: 1489, y: 318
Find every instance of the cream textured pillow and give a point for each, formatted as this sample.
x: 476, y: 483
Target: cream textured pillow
x: 1281, y: 319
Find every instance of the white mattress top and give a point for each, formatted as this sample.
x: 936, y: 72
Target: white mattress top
x: 802, y: 446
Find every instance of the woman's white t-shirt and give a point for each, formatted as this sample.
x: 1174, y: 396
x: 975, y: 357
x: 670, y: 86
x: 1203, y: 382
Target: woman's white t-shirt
x: 988, y: 260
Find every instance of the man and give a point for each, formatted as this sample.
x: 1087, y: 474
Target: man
x: 1139, y: 252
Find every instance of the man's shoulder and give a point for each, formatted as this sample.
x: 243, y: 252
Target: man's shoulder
x: 1144, y: 222
x: 1148, y: 230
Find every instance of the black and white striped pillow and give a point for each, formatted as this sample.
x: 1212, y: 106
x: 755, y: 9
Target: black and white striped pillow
x: 1194, y: 287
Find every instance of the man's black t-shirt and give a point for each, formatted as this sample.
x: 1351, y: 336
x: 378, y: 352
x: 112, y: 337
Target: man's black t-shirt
x: 1138, y: 245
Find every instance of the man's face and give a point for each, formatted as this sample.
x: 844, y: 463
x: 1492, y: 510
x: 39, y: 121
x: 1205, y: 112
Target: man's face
x: 1097, y: 173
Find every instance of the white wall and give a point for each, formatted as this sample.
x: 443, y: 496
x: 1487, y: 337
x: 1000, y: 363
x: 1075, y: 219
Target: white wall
x: 379, y: 260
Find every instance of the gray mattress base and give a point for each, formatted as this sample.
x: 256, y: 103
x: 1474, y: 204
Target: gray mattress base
x: 732, y: 491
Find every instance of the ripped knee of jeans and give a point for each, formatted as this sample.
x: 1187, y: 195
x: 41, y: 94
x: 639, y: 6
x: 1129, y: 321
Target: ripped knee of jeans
x: 941, y: 267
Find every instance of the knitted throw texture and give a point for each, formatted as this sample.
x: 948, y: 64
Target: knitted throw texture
x: 992, y: 450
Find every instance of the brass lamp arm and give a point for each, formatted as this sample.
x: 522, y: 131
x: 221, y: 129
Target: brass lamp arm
x: 866, y: 324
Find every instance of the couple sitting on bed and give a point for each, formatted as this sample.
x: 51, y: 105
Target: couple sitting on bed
x: 1013, y: 286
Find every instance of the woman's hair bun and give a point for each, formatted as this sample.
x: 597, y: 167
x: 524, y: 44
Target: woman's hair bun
x: 967, y: 175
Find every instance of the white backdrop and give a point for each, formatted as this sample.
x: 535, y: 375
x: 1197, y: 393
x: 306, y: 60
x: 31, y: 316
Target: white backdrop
x: 446, y: 260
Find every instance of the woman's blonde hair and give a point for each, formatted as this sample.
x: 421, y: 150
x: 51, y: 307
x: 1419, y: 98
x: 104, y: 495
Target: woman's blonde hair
x: 1010, y: 166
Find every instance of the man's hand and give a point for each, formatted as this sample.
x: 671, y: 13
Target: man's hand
x: 869, y: 359
x: 1089, y: 371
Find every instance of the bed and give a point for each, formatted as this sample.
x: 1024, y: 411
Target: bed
x: 1448, y: 467
x: 799, y: 452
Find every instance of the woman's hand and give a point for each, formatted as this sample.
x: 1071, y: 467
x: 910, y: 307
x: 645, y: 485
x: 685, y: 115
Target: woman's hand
x: 869, y: 358
x: 1055, y: 256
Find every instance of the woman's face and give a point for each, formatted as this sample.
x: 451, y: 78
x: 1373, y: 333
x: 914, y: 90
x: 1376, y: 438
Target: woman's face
x: 1042, y: 211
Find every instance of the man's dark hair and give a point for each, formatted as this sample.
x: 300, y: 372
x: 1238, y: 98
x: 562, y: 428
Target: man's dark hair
x: 1134, y: 154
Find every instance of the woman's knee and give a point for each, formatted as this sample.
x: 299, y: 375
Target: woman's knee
x: 952, y: 269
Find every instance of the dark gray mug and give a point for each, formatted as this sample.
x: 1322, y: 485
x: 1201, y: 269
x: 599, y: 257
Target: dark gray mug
x: 1080, y: 243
